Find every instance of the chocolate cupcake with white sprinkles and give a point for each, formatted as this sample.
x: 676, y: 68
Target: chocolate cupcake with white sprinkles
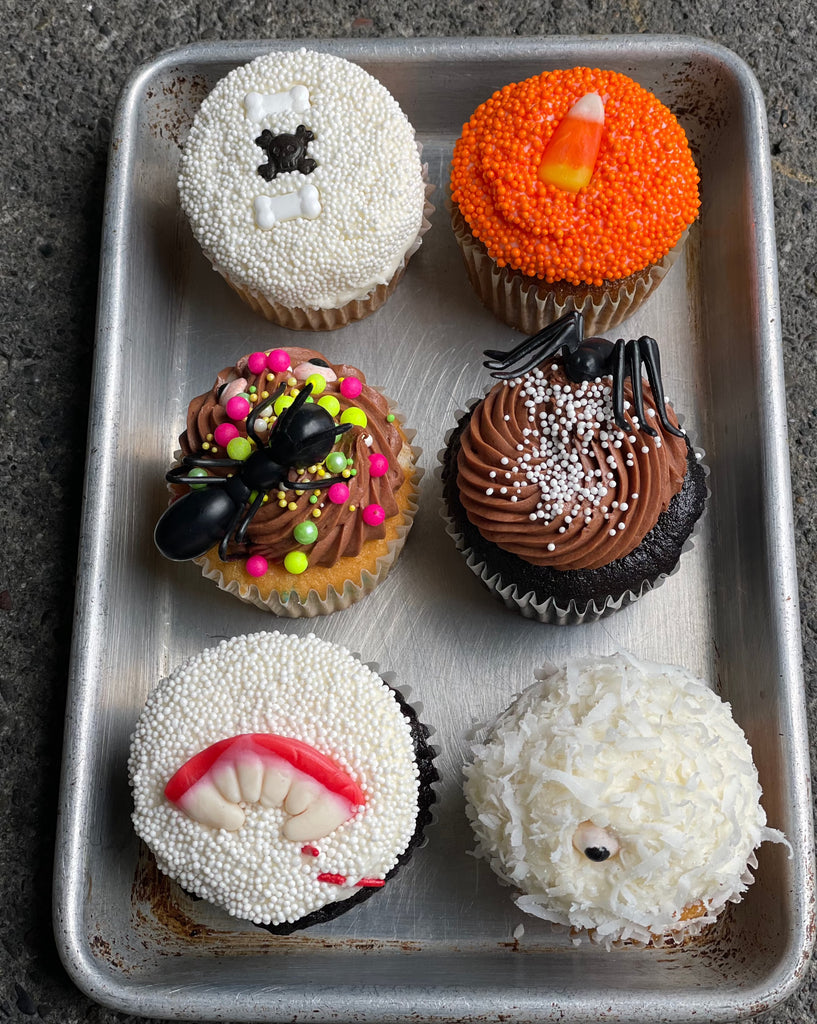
x: 571, y: 488
x: 280, y: 778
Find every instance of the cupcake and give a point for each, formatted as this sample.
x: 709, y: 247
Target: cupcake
x: 571, y: 191
x: 297, y: 484
x: 619, y: 798
x: 570, y: 487
x: 302, y: 182
x: 280, y: 778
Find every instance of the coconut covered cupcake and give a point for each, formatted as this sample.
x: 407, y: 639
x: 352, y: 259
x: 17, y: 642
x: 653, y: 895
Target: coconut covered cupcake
x: 571, y: 191
x: 280, y: 778
x: 619, y: 797
x: 302, y: 183
x: 570, y: 488
x: 297, y: 485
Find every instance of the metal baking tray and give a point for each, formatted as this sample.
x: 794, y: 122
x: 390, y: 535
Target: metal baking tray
x: 438, y: 943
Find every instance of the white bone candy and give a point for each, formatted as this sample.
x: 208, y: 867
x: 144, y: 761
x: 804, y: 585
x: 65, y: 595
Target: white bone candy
x: 269, y: 210
x: 260, y: 105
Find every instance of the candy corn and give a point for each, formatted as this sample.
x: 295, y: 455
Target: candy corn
x: 570, y: 155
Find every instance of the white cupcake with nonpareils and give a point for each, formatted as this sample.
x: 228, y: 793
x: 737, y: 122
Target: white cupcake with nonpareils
x: 280, y: 778
x: 302, y: 182
x: 619, y: 797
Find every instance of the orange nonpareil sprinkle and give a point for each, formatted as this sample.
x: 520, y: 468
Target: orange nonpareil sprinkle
x: 642, y: 195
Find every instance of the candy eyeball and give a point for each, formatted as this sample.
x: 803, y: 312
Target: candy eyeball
x: 597, y: 844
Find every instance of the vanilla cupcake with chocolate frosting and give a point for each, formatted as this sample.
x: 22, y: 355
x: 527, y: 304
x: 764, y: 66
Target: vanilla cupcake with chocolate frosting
x: 297, y: 483
x: 570, y: 487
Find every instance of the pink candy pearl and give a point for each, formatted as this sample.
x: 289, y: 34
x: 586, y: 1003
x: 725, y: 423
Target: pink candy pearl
x: 350, y: 387
x: 256, y: 565
x: 224, y: 433
x: 338, y: 493
x: 257, y: 362
x: 373, y: 515
x: 237, y: 408
x: 278, y: 360
x: 378, y: 464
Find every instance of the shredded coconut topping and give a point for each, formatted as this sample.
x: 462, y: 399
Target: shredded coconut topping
x: 646, y: 753
x: 304, y: 688
x: 367, y: 181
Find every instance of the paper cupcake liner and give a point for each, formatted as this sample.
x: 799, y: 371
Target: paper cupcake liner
x: 529, y: 304
x: 291, y: 604
x: 550, y: 611
x: 425, y: 754
x: 299, y: 319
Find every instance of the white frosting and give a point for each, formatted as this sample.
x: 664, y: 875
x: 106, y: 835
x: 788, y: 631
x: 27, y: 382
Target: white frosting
x: 653, y: 761
x: 368, y: 177
x: 303, y: 688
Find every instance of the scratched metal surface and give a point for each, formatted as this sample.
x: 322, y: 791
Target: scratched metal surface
x: 437, y: 943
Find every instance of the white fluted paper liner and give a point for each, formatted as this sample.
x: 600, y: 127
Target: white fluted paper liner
x: 549, y: 611
x: 300, y: 319
x: 291, y: 604
x: 529, y: 304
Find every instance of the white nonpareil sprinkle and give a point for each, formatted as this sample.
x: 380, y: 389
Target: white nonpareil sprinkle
x: 368, y: 179
x: 304, y: 688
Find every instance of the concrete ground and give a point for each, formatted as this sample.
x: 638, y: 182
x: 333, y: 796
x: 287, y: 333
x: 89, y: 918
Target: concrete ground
x: 63, y: 64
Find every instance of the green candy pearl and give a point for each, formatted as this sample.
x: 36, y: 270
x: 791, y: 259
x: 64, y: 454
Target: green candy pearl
x: 239, y: 448
x: 198, y: 471
x: 306, y: 533
x: 336, y: 462
x: 296, y: 562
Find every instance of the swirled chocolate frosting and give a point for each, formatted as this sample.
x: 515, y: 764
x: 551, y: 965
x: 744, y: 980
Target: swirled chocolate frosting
x: 342, y: 527
x: 544, y: 472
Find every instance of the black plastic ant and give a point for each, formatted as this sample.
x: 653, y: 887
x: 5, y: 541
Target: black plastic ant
x: 301, y: 436
x: 588, y: 358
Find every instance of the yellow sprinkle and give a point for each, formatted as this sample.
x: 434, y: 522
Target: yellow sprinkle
x: 270, y: 376
x: 352, y: 508
x: 206, y: 446
x: 265, y: 394
x: 313, y: 469
x: 214, y: 450
x: 253, y: 398
x: 316, y: 512
x: 292, y: 381
x: 346, y: 474
x: 294, y: 392
x: 266, y: 498
x: 292, y: 506
x: 209, y: 437
x: 317, y: 493
x: 321, y: 471
x: 282, y: 504
x: 281, y: 495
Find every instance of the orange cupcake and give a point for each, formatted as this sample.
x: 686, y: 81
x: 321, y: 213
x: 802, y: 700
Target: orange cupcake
x: 571, y: 190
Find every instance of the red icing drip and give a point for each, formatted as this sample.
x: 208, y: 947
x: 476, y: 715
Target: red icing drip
x: 325, y: 876
x: 300, y: 755
x: 371, y: 883
x: 311, y: 850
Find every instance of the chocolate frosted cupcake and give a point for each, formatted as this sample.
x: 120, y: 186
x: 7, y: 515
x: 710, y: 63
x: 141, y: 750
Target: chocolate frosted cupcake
x: 302, y: 182
x: 280, y: 778
x: 297, y: 485
x: 571, y: 190
x: 570, y: 488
